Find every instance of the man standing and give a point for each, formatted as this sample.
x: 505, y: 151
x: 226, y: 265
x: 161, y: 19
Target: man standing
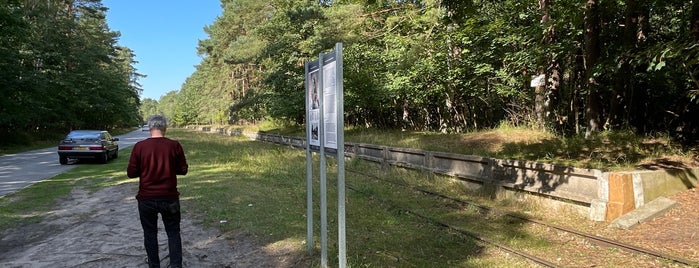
x: 157, y: 161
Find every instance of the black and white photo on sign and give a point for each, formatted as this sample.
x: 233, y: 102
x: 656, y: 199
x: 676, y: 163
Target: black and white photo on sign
x: 314, y: 131
x: 313, y: 90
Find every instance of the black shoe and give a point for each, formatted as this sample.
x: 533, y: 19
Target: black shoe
x: 151, y: 265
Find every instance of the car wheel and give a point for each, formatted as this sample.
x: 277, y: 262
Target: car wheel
x: 63, y: 160
x: 105, y: 157
x: 116, y: 154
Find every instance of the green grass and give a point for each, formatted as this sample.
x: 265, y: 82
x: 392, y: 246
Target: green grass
x: 259, y: 189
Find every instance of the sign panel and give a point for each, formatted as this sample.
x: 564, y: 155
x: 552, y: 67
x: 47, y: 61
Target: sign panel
x: 330, y: 105
x: 325, y: 129
x: 538, y: 81
x: 314, y: 108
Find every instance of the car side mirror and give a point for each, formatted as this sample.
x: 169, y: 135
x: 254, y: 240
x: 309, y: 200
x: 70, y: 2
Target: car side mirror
x: 115, y: 139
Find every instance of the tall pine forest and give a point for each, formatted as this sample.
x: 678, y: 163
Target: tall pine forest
x: 447, y: 66
x: 61, y: 69
x: 455, y: 66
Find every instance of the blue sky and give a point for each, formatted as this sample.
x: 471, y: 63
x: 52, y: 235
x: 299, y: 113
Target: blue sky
x: 164, y: 35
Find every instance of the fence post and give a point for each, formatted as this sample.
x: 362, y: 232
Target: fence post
x: 428, y: 163
x: 384, y: 160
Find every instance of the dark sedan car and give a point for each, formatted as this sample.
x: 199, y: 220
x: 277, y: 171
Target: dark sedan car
x: 88, y: 144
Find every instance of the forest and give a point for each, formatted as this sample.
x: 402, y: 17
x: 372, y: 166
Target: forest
x: 61, y: 69
x: 455, y: 66
x: 449, y: 66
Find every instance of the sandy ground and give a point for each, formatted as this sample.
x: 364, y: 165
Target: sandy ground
x: 102, y: 229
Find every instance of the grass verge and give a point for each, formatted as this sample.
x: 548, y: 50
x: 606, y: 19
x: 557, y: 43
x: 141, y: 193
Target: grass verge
x: 259, y: 189
x: 33, y: 203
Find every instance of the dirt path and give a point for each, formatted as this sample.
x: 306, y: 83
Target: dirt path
x: 675, y: 232
x: 102, y: 229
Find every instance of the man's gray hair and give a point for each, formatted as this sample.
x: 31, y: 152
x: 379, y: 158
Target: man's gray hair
x: 157, y: 122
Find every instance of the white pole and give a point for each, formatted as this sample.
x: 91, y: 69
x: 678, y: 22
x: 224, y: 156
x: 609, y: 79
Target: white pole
x: 323, y: 177
x: 309, y: 175
x: 341, y: 239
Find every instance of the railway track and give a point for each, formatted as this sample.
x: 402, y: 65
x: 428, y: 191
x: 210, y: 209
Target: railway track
x: 485, y: 240
x: 531, y: 257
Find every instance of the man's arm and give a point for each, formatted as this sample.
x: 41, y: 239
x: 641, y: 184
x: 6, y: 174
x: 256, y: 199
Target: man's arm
x: 133, y: 170
x: 182, y: 166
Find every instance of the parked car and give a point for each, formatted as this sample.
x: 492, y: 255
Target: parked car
x: 88, y: 144
x: 145, y: 128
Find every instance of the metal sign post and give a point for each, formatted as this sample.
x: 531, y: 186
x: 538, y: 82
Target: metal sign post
x: 325, y: 129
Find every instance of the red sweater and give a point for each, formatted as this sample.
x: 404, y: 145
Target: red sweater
x: 157, y: 161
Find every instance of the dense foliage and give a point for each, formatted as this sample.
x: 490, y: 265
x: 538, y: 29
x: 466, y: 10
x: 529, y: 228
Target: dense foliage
x: 61, y: 69
x: 438, y: 65
x: 454, y: 66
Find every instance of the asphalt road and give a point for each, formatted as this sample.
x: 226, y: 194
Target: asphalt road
x: 23, y: 169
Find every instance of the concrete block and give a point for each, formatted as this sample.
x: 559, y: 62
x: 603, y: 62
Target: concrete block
x: 646, y: 212
x: 598, y: 210
x: 621, y: 195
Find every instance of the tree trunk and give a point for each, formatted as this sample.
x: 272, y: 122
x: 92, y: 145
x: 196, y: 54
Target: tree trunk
x: 694, y: 28
x: 694, y: 35
x: 548, y: 95
x: 540, y: 90
x: 405, y: 119
x: 635, y: 31
x: 592, y: 54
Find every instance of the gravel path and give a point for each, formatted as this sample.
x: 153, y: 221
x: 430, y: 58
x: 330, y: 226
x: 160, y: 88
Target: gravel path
x: 676, y: 232
x: 102, y: 229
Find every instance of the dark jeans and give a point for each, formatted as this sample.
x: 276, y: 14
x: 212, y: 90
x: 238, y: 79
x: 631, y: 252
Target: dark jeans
x: 170, y: 211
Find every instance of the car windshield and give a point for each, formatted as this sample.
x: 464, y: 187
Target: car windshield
x: 83, y: 136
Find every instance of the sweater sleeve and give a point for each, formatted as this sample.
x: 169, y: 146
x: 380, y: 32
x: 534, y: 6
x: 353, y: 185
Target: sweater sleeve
x: 182, y: 166
x: 133, y: 170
